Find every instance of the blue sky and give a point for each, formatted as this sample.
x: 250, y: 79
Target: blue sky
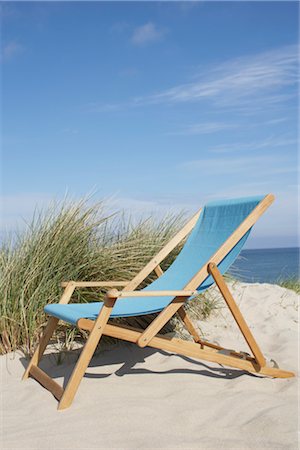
x: 163, y: 106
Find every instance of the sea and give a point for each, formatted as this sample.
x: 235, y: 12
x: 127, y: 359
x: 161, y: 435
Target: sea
x: 266, y: 265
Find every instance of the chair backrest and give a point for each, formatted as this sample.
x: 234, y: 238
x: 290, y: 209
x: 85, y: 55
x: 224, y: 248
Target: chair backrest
x: 217, y: 221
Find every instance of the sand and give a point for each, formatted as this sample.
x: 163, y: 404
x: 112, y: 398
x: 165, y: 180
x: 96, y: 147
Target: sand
x: 134, y: 398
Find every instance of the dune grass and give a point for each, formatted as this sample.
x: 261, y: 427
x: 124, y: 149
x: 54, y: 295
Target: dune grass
x: 78, y: 241
x: 71, y: 241
x: 291, y: 283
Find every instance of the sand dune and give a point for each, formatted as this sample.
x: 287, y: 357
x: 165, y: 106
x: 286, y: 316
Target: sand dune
x: 134, y: 398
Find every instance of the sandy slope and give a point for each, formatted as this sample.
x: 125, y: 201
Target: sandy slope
x: 135, y: 398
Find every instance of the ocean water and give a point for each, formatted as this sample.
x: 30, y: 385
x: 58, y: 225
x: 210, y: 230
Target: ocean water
x: 266, y: 265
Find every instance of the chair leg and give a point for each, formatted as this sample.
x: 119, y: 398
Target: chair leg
x: 86, y: 355
x: 238, y: 317
x: 45, y: 338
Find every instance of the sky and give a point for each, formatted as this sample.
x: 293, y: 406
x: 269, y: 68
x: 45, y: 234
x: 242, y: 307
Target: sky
x: 159, y: 107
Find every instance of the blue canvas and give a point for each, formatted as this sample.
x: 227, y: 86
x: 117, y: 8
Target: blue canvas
x: 217, y: 221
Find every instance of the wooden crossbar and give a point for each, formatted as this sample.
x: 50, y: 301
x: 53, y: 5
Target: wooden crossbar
x: 194, y: 350
x: 94, y: 283
x: 187, y: 348
x: 47, y: 382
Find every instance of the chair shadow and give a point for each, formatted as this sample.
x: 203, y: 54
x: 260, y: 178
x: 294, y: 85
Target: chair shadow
x: 129, y: 358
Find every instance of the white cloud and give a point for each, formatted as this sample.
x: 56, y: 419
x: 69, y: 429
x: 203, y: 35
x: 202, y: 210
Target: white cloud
x: 246, y: 81
x: 269, y: 142
x: 259, y: 166
x: 204, y: 128
x: 244, y: 85
x: 276, y: 121
x: 146, y: 34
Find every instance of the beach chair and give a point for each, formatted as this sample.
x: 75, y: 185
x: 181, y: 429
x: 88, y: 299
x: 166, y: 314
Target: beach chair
x: 217, y: 235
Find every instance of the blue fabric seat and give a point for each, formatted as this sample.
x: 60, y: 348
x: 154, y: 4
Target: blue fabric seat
x: 216, y: 223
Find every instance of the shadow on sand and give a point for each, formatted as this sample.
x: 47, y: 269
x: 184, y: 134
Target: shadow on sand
x: 128, y: 355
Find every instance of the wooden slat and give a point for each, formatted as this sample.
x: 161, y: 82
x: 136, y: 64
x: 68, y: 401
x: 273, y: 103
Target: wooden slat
x: 94, y: 283
x: 193, y: 350
x: 231, y: 241
x: 88, y: 324
x: 47, y: 382
x: 235, y: 311
x: 85, y: 324
x: 137, y: 280
x: 113, y: 293
x: 242, y: 355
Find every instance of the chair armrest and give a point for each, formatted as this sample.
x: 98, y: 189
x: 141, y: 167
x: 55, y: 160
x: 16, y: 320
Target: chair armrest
x: 94, y: 283
x: 113, y: 293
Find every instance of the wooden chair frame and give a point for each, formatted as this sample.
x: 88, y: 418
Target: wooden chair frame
x: 149, y: 337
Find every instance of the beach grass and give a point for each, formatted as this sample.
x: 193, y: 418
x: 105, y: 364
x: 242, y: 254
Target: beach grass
x: 290, y: 283
x: 79, y: 241
x: 71, y: 241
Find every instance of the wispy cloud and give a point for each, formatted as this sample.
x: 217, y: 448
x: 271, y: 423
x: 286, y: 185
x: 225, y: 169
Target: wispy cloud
x: 240, y: 80
x: 276, y: 121
x: 204, y: 128
x: 246, y: 85
x: 269, y: 142
x: 10, y: 50
x: 259, y: 165
x: 146, y: 34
